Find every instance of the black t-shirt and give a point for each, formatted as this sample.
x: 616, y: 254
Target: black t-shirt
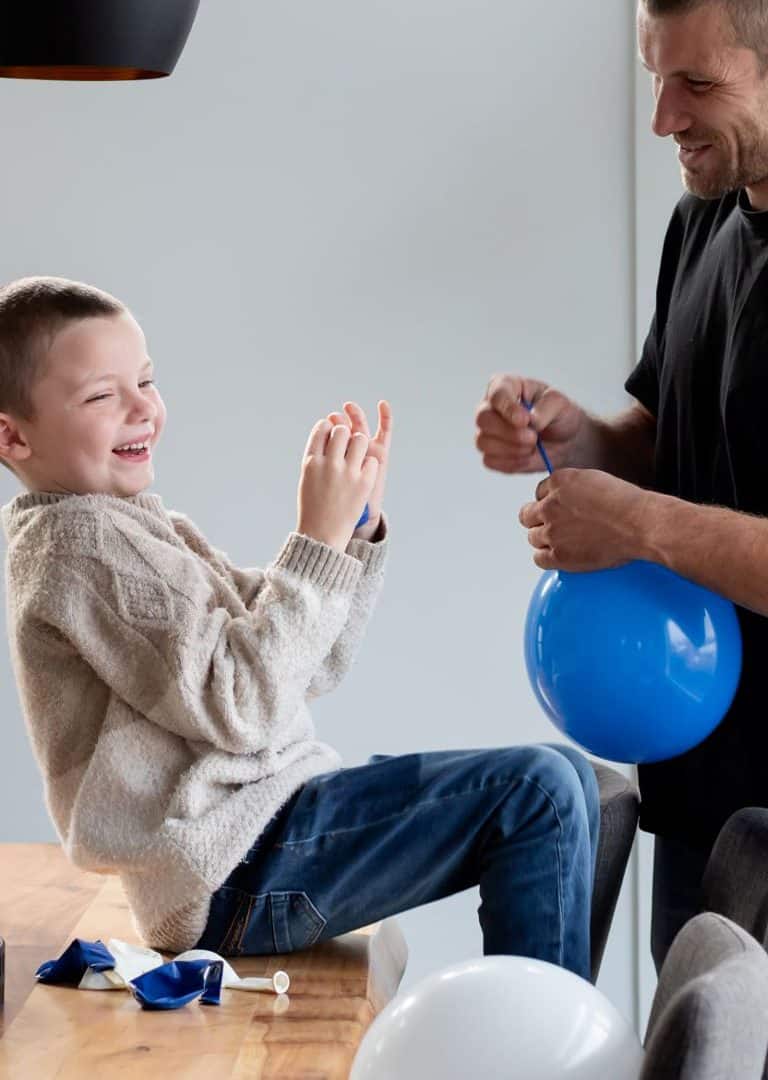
x: 704, y: 376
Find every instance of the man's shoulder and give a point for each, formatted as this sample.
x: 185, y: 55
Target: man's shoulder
x: 695, y: 215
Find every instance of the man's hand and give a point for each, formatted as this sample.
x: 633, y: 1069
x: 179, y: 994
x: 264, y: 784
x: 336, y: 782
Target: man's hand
x: 584, y: 519
x: 378, y: 449
x: 506, y: 430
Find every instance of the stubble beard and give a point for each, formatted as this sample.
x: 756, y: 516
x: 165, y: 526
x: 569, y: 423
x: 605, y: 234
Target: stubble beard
x: 748, y: 168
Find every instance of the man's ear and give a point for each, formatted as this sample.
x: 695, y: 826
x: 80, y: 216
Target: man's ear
x: 14, y: 447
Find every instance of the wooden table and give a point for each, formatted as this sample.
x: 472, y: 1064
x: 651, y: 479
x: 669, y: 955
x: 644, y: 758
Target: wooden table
x: 50, y: 1031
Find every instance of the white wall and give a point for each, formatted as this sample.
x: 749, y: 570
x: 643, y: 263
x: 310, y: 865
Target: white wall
x: 356, y: 200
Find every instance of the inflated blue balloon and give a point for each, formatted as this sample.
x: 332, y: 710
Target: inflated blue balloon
x: 635, y: 663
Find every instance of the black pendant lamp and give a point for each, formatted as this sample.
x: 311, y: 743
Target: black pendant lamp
x: 93, y: 39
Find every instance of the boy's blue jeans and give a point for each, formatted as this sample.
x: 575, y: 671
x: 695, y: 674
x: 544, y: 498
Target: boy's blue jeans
x: 354, y: 846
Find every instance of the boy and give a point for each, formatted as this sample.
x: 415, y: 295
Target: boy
x: 166, y: 691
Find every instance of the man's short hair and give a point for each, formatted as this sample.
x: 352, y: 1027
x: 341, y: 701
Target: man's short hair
x: 32, y: 312
x: 748, y: 18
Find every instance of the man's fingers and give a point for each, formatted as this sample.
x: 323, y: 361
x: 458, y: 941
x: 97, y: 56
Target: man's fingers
x: 507, y: 464
x: 510, y: 409
x: 504, y: 386
x: 506, y: 393
x: 489, y: 422
x: 547, y: 407
x: 519, y: 444
x: 539, y: 537
x: 545, y: 559
x: 530, y: 515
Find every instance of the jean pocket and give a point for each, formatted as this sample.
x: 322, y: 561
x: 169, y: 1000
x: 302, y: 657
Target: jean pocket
x: 242, y: 924
x: 296, y: 922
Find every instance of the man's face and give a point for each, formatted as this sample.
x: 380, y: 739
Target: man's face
x: 95, y: 395
x: 710, y: 97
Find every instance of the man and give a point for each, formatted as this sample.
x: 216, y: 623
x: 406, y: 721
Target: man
x: 681, y: 477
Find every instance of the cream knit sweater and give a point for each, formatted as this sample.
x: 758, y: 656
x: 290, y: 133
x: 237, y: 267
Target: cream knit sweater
x: 165, y: 690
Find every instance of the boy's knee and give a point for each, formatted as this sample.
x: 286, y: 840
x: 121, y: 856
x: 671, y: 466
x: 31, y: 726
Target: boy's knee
x: 555, y: 775
x: 584, y: 770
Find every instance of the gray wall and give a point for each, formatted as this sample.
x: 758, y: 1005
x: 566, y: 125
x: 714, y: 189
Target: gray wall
x: 356, y: 200
x: 659, y: 187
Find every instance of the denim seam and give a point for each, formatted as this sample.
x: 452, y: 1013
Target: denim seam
x: 230, y: 928
x: 428, y: 802
x: 244, y: 924
x: 551, y: 802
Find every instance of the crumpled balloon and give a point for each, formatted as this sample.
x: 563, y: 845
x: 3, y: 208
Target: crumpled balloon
x: 79, y: 957
x: 177, y: 983
x: 154, y: 983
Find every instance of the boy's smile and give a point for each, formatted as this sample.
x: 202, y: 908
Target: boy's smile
x: 98, y: 414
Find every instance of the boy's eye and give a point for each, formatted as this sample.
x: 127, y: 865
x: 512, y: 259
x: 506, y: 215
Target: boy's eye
x: 101, y: 397
x: 700, y: 84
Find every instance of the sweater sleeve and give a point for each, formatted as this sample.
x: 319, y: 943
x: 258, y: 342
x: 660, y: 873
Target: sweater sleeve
x: 373, y: 556
x: 159, y: 636
x: 249, y: 582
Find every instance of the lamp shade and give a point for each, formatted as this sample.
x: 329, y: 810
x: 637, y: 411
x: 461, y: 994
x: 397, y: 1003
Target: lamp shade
x: 93, y: 39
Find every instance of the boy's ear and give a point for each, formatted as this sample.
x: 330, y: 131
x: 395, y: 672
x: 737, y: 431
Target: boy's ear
x: 13, y: 445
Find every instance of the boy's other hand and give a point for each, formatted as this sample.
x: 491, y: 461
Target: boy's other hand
x: 355, y: 419
x: 337, y: 479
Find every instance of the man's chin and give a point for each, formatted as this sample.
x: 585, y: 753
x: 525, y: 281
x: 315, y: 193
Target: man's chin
x: 704, y: 187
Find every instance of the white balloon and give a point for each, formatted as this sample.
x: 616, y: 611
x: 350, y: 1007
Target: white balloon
x: 499, y: 1018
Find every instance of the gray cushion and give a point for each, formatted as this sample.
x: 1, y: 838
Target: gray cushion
x: 709, y: 1019
x: 619, y: 810
x: 736, y: 877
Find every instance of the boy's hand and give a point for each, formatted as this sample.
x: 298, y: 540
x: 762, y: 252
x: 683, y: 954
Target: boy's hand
x: 378, y: 449
x: 337, y: 479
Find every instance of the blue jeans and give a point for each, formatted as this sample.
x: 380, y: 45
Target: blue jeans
x: 357, y: 845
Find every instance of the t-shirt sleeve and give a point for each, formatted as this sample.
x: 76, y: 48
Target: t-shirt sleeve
x: 643, y: 382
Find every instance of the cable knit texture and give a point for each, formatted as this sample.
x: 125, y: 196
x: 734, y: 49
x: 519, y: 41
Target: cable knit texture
x: 165, y: 690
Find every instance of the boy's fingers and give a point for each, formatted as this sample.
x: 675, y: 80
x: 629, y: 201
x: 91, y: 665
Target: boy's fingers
x: 337, y: 442
x: 357, y: 448
x: 370, y: 469
x: 318, y: 437
x: 384, y: 432
x: 357, y: 417
x: 338, y: 418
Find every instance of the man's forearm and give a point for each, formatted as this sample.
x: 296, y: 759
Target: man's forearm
x: 724, y: 550
x: 623, y: 446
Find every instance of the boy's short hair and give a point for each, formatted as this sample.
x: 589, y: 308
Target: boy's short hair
x: 32, y: 311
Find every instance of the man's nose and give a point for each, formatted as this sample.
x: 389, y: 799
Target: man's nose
x: 669, y: 116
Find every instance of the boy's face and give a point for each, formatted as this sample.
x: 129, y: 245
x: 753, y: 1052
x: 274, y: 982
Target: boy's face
x: 95, y: 395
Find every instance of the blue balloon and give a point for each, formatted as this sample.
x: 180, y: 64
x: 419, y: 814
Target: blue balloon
x: 635, y: 663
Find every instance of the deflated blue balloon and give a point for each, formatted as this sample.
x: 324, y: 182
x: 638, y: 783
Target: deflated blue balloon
x: 635, y: 663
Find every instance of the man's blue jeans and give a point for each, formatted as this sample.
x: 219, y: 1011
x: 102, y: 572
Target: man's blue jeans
x: 354, y: 846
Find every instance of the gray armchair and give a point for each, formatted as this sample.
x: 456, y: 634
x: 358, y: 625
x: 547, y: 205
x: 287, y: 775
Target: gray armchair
x: 708, y: 1019
x: 736, y: 876
x: 619, y: 811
